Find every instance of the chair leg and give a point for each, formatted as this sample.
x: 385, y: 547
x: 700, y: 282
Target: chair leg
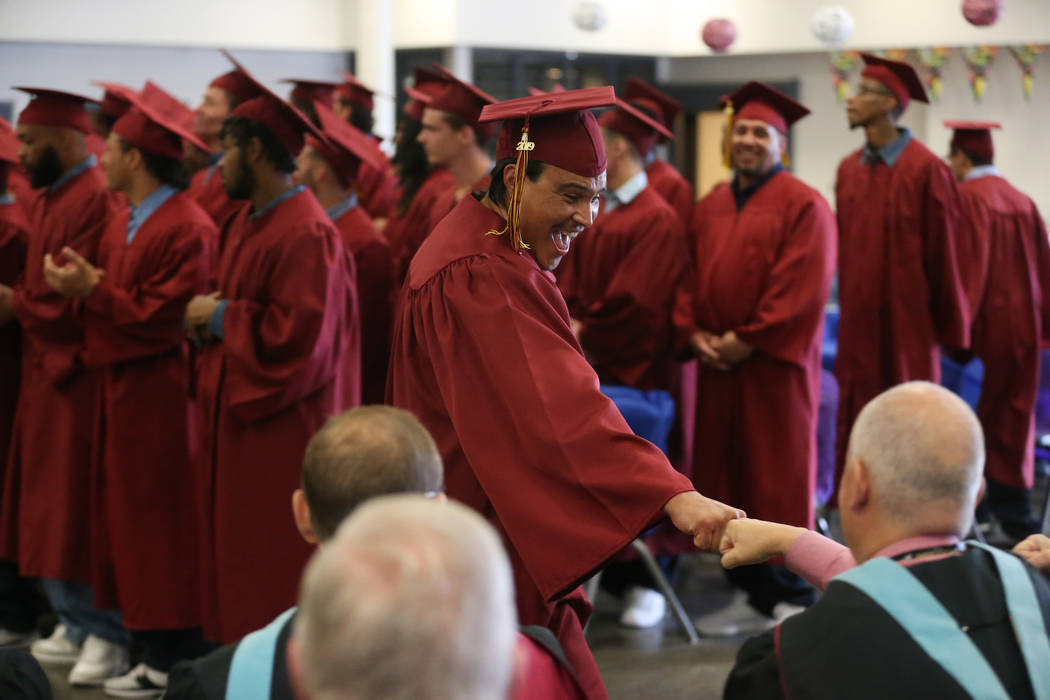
x: 665, y: 587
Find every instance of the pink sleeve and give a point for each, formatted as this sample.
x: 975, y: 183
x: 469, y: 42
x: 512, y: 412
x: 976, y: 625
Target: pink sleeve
x: 818, y: 559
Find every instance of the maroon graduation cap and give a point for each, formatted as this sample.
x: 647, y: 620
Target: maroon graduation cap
x: 974, y: 137
x: 465, y: 101
x: 636, y: 126
x: 308, y: 91
x: 899, y: 77
x: 345, y: 147
x: 152, y: 132
x: 55, y: 108
x: 115, y: 98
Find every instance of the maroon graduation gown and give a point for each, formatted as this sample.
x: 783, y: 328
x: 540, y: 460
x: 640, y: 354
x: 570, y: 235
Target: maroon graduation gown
x: 46, y: 510
x: 146, y: 562
x: 1013, y: 316
x: 14, y: 237
x: 901, y: 288
x: 620, y: 284
x: 484, y: 356
x: 290, y: 332
x: 375, y: 187
x: 407, y: 232
x: 672, y: 186
x: 445, y: 202
x: 763, y: 271
x: 376, y: 293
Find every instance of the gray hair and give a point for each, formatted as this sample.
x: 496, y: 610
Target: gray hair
x: 412, y: 598
x: 923, y: 446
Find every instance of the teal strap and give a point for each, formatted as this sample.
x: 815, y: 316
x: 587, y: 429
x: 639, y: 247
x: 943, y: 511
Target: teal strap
x: 1026, y: 616
x: 924, y: 618
x: 251, y: 672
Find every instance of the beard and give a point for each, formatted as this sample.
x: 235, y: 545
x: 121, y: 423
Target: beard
x: 46, y: 170
x: 243, y: 186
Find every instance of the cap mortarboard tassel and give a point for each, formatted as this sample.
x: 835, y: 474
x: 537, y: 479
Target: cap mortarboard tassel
x: 514, y: 205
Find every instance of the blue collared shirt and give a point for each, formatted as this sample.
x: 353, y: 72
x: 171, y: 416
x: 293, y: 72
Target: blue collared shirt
x: 742, y: 195
x: 213, y: 165
x: 144, y: 211
x: 889, y: 153
x: 337, y: 210
x: 6, y: 198
x: 86, y: 164
x: 215, y: 320
x: 625, y: 193
x: 981, y: 171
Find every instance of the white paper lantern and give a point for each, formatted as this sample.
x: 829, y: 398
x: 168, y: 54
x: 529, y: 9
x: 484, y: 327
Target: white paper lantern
x: 832, y: 25
x: 590, y: 16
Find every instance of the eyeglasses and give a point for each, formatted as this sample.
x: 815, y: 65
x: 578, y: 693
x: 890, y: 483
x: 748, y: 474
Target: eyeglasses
x: 866, y: 90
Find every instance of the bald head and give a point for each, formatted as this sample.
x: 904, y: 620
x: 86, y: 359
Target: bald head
x: 924, y: 452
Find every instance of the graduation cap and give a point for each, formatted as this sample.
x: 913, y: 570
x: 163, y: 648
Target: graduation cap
x: 287, y: 123
x: 345, y: 147
x: 974, y: 138
x: 464, y: 101
x: 55, y: 108
x: 535, y: 91
x: 356, y: 92
x: 8, y: 143
x: 558, y: 128
x: 308, y: 91
x: 152, y: 132
x: 899, y: 77
x: 163, y: 102
x: 668, y: 106
x: 757, y: 100
x: 634, y: 125
x: 427, y: 82
x: 115, y: 98
x: 237, y: 82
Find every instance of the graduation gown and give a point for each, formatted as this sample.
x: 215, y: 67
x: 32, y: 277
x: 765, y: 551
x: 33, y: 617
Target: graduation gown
x: 290, y: 333
x: 46, y: 510
x: 450, y: 197
x: 144, y: 496
x: 843, y: 646
x: 375, y: 187
x: 484, y: 356
x: 901, y: 287
x: 763, y: 271
x: 376, y: 293
x: 620, y: 284
x: 407, y: 232
x: 1012, y: 318
x: 14, y: 238
x: 672, y: 186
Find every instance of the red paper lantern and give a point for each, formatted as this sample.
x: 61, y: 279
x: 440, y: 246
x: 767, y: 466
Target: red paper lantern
x: 982, y: 13
x: 718, y: 34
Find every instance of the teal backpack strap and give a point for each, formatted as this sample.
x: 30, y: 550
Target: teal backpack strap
x: 924, y: 618
x: 251, y: 672
x: 1026, y: 616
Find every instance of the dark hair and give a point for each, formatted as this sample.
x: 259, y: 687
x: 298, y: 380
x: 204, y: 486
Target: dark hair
x: 498, y: 191
x: 243, y: 130
x: 458, y: 123
x: 410, y: 162
x: 107, y: 120
x: 974, y: 160
x: 5, y: 169
x: 362, y: 118
x: 362, y: 453
x: 170, y: 171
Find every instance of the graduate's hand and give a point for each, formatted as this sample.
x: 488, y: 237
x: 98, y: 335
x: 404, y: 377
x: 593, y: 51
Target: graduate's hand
x: 380, y: 224
x: 747, y: 541
x: 76, y: 279
x: 731, y: 350
x: 702, y: 517
x: 700, y: 342
x: 199, y: 311
x: 7, y: 304
x: 1035, y: 549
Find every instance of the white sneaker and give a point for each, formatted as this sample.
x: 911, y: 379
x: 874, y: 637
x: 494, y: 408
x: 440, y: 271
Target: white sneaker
x: 17, y: 639
x: 56, y: 649
x: 140, y: 682
x: 643, y: 608
x: 98, y: 661
x: 736, y: 618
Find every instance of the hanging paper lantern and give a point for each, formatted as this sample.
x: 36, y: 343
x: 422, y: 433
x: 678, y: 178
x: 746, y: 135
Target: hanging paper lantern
x: 718, y: 34
x: 590, y: 16
x: 982, y: 13
x: 833, y: 25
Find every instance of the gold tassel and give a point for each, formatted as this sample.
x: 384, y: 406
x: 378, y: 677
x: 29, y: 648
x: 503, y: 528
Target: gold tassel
x: 727, y: 137
x: 785, y: 160
x: 514, y: 206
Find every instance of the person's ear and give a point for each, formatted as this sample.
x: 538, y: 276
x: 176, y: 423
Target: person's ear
x: 509, y: 174
x: 861, y: 485
x: 303, y: 518
x: 253, y: 153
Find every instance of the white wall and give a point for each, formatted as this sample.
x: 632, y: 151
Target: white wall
x: 823, y: 138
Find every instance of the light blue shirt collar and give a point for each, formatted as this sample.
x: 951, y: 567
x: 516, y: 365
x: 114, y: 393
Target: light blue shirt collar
x: 649, y: 158
x: 144, y: 211
x: 89, y: 162
x: 213, y: 165
x: 287, y: 194
x: 336, y: 211
x: 625, y: 193
x: 889, y: 153
x: 981, y: 171
x: 6, y: 198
